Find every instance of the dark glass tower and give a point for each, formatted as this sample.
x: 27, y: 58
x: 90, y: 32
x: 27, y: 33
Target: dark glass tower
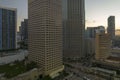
x: 73, y: 28
x: 111, y: 27
x: 24, y: 31
x: 7, y: 28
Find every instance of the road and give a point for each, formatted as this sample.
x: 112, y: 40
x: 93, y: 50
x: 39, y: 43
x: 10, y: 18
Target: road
x: 79, y: 75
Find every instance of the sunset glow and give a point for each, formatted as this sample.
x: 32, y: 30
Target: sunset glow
x: 97, y: 11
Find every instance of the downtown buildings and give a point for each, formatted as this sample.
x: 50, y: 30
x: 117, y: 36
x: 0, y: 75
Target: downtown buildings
x: 24, y: 30
x: 90, y: 39
x: 111, y: 27
x: 45, y: 35
x: 91, y: 31
x: 73, y: 28
x: 8, y: 18
x: 24, y: 34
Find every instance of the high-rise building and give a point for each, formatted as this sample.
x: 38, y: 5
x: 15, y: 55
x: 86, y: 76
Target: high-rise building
x: 91, y: 31
x: 102, y: 46
x: 8, y: 32
x: 24, y: 30
x: 73, y: 28
x: 111, y: 27
x: 45, y: 35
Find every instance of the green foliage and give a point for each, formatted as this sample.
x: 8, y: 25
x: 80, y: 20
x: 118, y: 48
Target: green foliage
x: 12, y: 70
x: 69, y: 65
x: 65, y: 73
x: 31, y: 65
x: 45, y: 78
x: 118, y: 72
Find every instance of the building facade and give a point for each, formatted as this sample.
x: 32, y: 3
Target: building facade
x: 111, y: 27
x: 24, y: 30
x: 8, y: 18
x: 91, y: 31
x: 102, y: 46
x: 73, y: 28
x: 90, y: 39
x: 90, y: 46
x: 45, y: 35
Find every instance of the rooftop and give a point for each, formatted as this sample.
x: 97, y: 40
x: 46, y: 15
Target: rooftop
x: 13, y: 9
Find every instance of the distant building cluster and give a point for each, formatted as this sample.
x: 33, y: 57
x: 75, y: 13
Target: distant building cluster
x: 103, y: 40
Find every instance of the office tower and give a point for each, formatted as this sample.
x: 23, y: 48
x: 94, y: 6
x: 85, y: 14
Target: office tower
x: 91, y: 31
x: 45, y: 35
x: 74, y: 28
x: 111, y: 27
x: 24, y: 30
x: 8, y: 22
x: 102, y: 46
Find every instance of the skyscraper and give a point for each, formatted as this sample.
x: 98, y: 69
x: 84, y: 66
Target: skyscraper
x: 8, y: 28
x: 24, y: 30
x: 111, y: 27
x: 74, y: 28
x: 45, y: 35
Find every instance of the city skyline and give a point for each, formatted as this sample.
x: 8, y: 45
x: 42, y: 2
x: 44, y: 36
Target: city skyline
x: 59, y: 40
x: 97, y: 11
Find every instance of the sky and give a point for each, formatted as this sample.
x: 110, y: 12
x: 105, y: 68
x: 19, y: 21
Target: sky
x: 96, y: 11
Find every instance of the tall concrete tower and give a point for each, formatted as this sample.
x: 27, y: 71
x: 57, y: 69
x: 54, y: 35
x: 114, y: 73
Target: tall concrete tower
x: 45, y: 35
x: 74, y: 28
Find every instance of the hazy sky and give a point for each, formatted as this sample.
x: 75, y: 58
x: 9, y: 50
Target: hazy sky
x: 97, y: 11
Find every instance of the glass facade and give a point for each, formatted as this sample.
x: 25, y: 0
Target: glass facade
x: 73, y: 28
x: 7, y: 29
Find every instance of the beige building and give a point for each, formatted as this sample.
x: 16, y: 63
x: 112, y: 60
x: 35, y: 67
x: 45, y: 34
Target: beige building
x: 45, y: 35
x: 102, y: 46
